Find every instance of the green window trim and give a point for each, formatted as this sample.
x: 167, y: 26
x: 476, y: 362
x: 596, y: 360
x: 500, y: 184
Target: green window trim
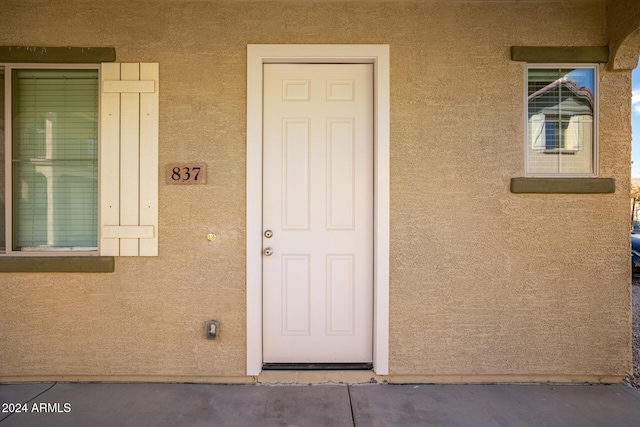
x: 57, y: 55
x: 553, y: 54
x: 563, y: 185
x: 55, y: 264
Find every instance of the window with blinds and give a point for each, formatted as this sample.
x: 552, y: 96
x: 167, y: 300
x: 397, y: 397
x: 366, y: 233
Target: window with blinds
x: 3, y: 234
x: 54, y: 158
x: 561, y: 105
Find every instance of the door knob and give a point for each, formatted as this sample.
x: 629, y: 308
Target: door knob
x: 268, y: 234
x: 268, y: 252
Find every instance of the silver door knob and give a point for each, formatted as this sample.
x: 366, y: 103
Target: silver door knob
x: 268, y: 234
x: 268, y: 252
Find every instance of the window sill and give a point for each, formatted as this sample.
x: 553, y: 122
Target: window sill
x: 65, y: 264
x: 563, y: 185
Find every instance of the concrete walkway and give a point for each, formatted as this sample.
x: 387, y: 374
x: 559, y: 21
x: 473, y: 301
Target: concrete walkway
x: 97, y: 405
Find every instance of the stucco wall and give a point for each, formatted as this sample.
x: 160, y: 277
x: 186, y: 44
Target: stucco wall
x: 483, y: 282
x: 623, y: 17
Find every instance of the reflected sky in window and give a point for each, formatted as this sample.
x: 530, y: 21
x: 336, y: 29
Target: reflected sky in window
x: 635, y: 123
x: 582, y: 77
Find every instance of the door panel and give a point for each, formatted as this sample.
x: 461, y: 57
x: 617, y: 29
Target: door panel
x: 318, y: 202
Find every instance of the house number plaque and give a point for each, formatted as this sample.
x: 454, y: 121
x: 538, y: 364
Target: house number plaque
x: 186, y: 173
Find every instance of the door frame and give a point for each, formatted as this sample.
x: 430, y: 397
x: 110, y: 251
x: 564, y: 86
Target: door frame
x: 378, y: 55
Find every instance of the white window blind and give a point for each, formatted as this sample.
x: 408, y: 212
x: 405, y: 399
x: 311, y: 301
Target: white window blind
x: 55, y: 159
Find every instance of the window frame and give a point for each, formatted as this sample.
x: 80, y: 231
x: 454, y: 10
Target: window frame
x: 595, y: 135
x: 8, y: 146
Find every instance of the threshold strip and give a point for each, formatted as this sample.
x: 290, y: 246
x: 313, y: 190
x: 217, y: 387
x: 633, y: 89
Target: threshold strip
x: 317, y: 366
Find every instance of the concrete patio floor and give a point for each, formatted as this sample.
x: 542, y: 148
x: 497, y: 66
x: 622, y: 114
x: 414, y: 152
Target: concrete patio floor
x: 66, y: 404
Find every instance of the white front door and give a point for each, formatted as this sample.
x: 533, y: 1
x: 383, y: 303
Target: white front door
x: 318, y: 206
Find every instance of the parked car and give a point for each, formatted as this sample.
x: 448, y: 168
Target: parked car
x: 635, y: 253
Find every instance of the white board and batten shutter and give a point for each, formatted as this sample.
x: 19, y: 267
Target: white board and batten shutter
x: 129, y: 159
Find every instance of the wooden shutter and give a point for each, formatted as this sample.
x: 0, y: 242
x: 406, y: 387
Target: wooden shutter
x: 129, y: 160
x: 578, y: 133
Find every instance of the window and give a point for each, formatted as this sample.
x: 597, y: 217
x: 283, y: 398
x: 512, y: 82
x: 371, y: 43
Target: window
x: 79, y: 159
x: 51, y: 191
x: 3, y: 236
x: 561, y: 106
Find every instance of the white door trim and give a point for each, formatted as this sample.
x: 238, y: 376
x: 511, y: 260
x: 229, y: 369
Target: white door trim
x: 378, y: 55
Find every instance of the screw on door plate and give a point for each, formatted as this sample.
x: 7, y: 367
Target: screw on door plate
x: 212, y: 330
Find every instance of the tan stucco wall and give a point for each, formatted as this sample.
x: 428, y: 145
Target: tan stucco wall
x: 483, y: 282
x: 623, y: 18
